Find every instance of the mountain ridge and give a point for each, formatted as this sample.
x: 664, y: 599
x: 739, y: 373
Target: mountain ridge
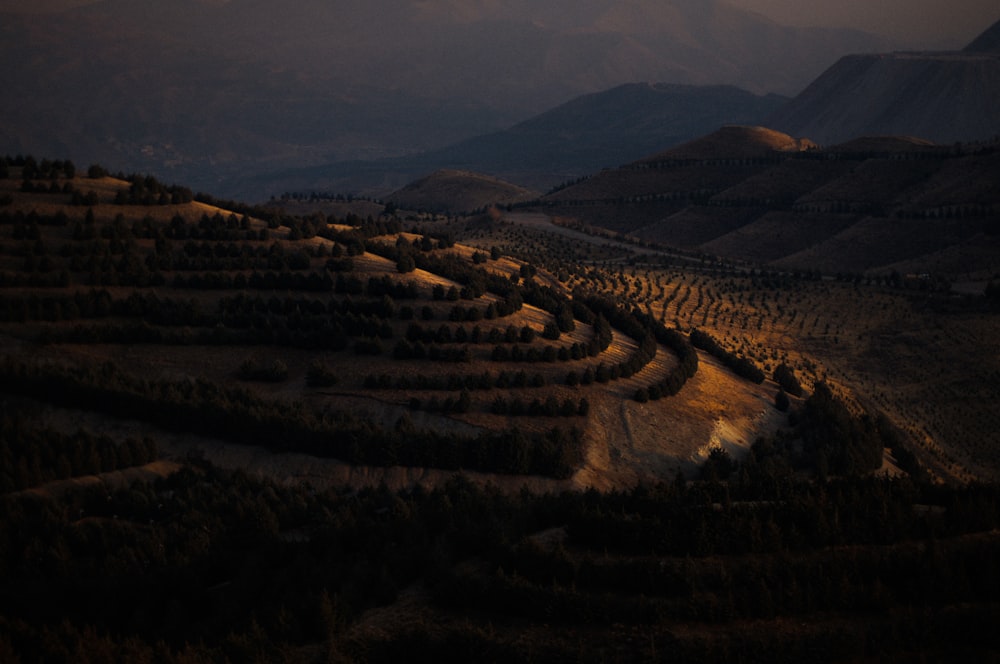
x: 583, y: 135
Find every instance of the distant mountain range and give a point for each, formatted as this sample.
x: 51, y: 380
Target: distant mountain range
x: 945, y: 97
x: 212, y: 92
x: 575, y: 139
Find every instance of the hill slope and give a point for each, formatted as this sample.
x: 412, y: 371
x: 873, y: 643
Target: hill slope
x: 458, y: 191
x: 869, y: 205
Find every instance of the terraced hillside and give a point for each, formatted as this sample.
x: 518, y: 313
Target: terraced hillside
x: 236, y: 435
x: 897, y: 346
x: 367, y: 349
x: 869, y: 206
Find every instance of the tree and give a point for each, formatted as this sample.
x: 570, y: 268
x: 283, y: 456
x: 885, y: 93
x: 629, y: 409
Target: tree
x: 781, y: 401
x: 785, y: 377
x: 719, y: 465
x: 405, y: 263
x: 564, y: 318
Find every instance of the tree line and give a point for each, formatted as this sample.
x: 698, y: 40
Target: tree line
x: 239, y: 416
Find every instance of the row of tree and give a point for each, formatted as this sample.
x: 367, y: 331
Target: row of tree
x: 239, y: 416
x: 740, y: 365
x: 31, y: 456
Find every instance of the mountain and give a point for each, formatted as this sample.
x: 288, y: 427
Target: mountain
x: 208, y: 92
x: 574, y: 139
x: 944, y: 97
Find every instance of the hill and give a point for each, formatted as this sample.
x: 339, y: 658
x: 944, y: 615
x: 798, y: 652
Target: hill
x: 942, y: 97
x: 450, y: 191
x: 412, y: 348
x: 217, y: 91
x: 709, y: 163
x: 733, y: 142
x: 754, y: 194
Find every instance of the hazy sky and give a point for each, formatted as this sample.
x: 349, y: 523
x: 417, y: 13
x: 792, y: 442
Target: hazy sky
x: 913, y: 23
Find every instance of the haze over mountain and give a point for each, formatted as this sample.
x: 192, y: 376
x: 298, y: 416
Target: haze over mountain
x: 200, y: 91
x: 573, y: 140
x: 944, y: 97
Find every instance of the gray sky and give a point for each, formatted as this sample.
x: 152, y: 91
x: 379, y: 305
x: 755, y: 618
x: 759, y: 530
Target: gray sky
x: 913, y: 23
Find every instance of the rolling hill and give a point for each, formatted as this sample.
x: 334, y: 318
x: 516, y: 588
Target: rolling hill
x: 870, y: 205
x: 450, y: 191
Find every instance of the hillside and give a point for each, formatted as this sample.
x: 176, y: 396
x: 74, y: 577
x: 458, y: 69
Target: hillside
x: 458, y: 191
x: 753, y: 194
x: 733, y: 142
x: 427, y: 356
x: 942, y: 97
x: 234, y: 434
